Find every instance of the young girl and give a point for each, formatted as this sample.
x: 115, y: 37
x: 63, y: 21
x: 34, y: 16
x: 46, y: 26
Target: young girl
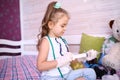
x: 54, y: 57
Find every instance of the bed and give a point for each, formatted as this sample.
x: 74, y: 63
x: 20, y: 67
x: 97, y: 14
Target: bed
x: 14, y: 65
x: 19, y: 68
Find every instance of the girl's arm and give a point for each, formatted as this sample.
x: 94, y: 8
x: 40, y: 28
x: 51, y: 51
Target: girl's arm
x: 42, y: 63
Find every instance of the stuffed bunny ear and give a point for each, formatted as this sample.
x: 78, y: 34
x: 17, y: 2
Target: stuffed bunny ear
x: 111, y: 23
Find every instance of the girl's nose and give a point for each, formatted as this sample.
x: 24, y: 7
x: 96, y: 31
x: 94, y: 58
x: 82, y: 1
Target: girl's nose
x: 65, y: 28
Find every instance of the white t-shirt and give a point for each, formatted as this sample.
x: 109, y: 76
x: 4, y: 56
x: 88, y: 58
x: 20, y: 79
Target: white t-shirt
x: 56, y: 42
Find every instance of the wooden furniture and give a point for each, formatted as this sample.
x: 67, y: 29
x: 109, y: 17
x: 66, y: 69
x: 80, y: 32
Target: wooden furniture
x: 9, y: 48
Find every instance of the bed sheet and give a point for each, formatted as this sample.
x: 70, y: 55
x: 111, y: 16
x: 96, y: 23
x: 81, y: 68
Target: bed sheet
x: 19, y: 68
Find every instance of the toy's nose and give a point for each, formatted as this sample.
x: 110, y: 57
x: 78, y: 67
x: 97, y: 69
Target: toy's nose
x: 119, y: 35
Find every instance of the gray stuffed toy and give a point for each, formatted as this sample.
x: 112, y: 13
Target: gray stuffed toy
x: 112, y: 46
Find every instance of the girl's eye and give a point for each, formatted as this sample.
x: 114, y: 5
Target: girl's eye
x: 62, y: 26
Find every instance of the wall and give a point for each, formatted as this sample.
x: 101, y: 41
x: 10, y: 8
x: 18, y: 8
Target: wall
x: 88, y: 16
x: 10, y: 20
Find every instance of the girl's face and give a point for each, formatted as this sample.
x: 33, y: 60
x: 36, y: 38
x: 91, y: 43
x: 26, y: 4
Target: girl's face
x: 59, y: 28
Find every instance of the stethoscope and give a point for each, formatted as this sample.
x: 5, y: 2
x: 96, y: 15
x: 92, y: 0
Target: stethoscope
x: 65, y: 42
x: 61, y: 46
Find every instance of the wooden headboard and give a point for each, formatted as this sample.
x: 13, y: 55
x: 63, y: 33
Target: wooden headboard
x: 10, y: 48
x: 26, y: 49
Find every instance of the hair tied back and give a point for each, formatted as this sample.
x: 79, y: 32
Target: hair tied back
x: 57, y: 5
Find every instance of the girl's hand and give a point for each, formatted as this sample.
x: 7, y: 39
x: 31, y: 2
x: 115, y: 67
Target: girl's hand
x: 63, y: 60
x: 91, y: 54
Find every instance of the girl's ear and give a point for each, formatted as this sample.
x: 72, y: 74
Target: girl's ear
x: 50, y: 24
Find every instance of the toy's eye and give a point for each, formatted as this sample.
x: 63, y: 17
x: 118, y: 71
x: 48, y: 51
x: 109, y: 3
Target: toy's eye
x: 117, y: 30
